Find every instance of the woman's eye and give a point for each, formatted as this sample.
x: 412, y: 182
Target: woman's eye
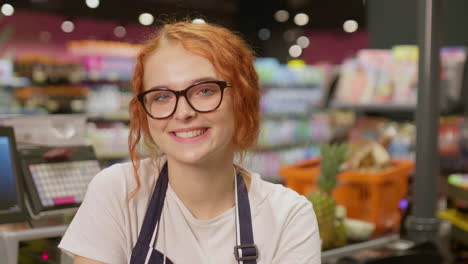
x: 206, y: 91
x: 161, y: 97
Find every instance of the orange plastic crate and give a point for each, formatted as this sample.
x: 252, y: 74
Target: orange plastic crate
x: 372, y: 197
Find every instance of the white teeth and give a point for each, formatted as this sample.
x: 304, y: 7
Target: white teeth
x: 189, y: 134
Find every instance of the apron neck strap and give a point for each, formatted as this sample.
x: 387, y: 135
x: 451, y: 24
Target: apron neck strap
x: 149, y: 229
x: 245, y: 251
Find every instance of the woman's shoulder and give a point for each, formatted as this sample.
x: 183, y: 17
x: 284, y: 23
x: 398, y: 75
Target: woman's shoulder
x: 276, y: 195
x: 120, y: 177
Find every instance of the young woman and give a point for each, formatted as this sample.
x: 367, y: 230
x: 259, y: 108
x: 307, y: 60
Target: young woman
x: 196, y: 108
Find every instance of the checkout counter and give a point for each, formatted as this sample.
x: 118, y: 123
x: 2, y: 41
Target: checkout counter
x: 43, y: 182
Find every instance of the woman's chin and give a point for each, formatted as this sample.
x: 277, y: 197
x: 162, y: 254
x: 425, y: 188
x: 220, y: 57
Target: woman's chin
x: 188, y: 158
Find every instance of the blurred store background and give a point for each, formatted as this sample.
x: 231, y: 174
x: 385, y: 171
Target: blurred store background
x: 331, y: 72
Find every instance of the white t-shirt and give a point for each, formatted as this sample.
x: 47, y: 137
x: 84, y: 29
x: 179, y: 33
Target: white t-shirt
x: 107, y: 225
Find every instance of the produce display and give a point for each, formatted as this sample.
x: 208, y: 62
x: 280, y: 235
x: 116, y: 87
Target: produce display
x: 371, y: 157
x: 358, y: 230
x: 333, y: 156
x: 355, y: 190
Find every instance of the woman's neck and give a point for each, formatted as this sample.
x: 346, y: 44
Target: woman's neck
x: 206, y: 190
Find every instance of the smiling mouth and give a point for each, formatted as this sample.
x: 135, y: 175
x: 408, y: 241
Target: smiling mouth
x: 190, y: 134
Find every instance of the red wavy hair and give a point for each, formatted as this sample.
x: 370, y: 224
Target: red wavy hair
x: 231, y: 57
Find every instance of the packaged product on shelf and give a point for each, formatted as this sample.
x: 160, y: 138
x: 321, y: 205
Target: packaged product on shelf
x: 405, y: 74
x: 290, y: 100
x: 276, y: 132
x: 376, y: 65
x: 102, y: 68
x: 103, y: 48
x: 266, y: 69
x: 383, y: 85
x: 319, y: 128
x: 401, y: 140
x: 49, y: 69
x: 105, y: 60
x: 107, y: 101
x: 289, y: 128
x: 453, y: 68
x: 365, y: 79
x: 350, y: 83
x: 53, y: 98
x: 391, y: 77
x: 294, y: 131
x: 450, y: 136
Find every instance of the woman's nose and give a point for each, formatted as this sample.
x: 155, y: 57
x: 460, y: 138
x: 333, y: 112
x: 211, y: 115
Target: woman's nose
x: 183, y: 110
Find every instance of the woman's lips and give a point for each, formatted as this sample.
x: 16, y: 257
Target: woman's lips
x: 189, y: 135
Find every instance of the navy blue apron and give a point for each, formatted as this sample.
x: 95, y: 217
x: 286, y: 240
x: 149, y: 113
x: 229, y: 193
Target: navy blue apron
x: 145, y: 252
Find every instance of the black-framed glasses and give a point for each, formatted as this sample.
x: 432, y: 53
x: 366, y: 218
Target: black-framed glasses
x: 203, y: 97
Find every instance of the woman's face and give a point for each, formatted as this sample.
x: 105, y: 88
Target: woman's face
x: 188, y: 136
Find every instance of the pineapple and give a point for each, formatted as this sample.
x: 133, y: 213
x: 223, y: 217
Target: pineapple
x: 333, y: 155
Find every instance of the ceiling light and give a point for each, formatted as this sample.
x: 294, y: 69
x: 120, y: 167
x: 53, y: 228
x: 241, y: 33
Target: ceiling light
x: 92, y: 3
x: 264, y: 34
x: 295, y: 51
x: 198, y: 21
x: 350, y: 26
x: 303, y: 42
x: 7, y: 10
x: 120, y: 31
x: 281, y: 15
x: 68, y: 26
x: 301, y: 19
x: 146, y: 19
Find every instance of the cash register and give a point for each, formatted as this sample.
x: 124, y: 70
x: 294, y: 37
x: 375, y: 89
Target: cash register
x: 12, y: 207
x: 39, y: 183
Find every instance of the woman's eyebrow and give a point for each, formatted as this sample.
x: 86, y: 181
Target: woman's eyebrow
x: 202, y: 79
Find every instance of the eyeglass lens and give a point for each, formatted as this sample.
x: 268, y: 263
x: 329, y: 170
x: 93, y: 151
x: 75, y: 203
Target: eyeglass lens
x: 204, y: 97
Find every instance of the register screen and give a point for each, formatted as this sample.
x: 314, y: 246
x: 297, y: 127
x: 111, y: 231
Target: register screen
x: 8, y: 198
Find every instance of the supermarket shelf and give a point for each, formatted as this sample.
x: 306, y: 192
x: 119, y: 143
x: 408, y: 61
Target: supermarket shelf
x: 280, y: 116
x: 290, y: 85
x: 348, y: 250
x: 301, y: 144
x: 15, y: 82
x: 376, y: 108
x: 457, y: 193
x: 108, y: 118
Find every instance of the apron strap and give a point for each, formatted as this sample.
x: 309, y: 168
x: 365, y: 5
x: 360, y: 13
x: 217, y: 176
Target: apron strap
x: 246, y: 252
x: 153, y: 214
